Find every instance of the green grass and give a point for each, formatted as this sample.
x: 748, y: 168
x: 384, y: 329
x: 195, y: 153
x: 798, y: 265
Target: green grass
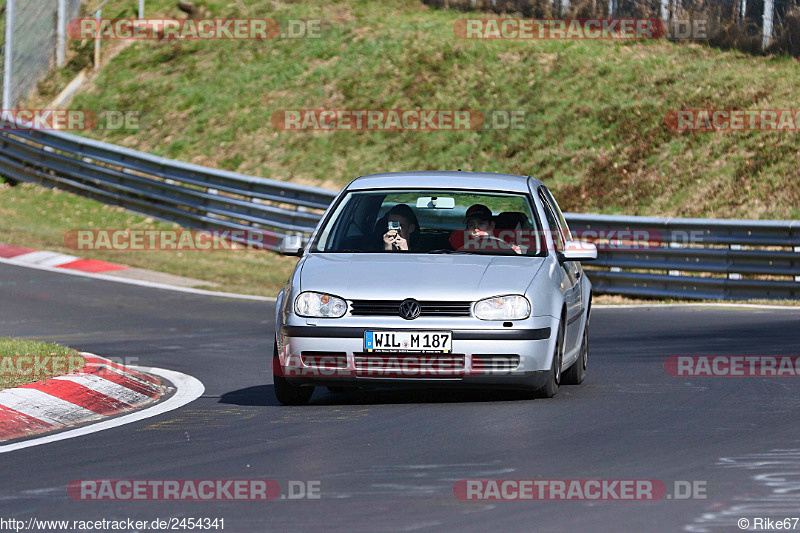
x: 17, y: 366
x: 594, y: 110
x: 36, y: 217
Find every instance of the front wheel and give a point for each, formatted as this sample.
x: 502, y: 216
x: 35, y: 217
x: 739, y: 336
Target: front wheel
x: 554, y: 376
x: 577, y: 372
x: 287, y: 393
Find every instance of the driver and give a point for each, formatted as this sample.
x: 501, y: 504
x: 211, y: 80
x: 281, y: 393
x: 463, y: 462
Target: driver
x: 480, y: 224
x: 479, y: 221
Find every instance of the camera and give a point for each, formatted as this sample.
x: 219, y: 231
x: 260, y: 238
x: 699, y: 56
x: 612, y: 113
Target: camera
x: 395, y: 225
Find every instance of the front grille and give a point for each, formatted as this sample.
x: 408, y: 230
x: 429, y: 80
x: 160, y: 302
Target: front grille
x: 409, y: 364
x: 495, y: 362
x: 392, y: 308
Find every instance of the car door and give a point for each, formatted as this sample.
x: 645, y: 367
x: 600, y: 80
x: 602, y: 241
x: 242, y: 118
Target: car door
x: 572, y: 269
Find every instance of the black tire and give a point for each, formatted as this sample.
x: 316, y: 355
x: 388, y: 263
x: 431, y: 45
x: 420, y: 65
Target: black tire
x: 554, y: 377
x: 285, y: 392
x: 577, y: 372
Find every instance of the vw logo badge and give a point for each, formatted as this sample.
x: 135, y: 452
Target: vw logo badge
x: 410, y: 309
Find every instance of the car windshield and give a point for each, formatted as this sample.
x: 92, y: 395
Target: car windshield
x: 431, y: 222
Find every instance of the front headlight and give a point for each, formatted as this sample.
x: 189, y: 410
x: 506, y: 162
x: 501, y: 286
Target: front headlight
x: 503, y: 308
x: 318, y: 305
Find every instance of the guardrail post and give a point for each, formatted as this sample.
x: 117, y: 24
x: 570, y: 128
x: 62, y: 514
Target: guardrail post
x: 215, y: 192
x: 733, y: 275
x: 796, y: 250
x: 98, y: 16
x: 61, y: 47
x: 766, y: 25
x: 9, y: 54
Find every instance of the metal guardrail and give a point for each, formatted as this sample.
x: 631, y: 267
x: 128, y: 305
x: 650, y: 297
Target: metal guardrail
x: 191, y: 195
x: 695, y: 258
x: 685, y: 258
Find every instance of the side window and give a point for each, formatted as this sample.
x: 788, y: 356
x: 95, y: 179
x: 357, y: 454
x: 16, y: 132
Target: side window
x: 559, y: 214
x: 556, y: 231
x: 325, y: 239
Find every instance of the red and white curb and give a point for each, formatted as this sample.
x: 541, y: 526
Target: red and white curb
x: 101, y: 270
x: 56, y: 260
x: 100, y: 389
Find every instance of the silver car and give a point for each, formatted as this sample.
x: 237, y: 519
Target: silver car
x: 435, y: 279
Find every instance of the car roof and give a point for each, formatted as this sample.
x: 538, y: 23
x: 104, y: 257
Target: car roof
x: 486, y: 181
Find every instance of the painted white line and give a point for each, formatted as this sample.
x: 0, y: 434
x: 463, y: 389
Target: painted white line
x: 187, y: 387
x: 139, y: 282
x: 109, y: 388
x: 45, y: 258
x: 43, y: 406
x: 705, y: 304
x: 60, y: 259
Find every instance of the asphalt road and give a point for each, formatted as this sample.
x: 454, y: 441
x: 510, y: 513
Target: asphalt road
x: 388, y: 460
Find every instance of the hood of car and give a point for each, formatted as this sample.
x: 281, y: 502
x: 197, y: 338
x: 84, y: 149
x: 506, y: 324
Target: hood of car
x: 423, y: 277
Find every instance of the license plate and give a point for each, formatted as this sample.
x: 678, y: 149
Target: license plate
x: 408, y: 341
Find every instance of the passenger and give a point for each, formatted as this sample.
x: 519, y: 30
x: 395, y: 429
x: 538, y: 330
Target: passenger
x: 404, y: 236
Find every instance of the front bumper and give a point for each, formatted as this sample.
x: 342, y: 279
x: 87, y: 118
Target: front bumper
x: 334, y: 355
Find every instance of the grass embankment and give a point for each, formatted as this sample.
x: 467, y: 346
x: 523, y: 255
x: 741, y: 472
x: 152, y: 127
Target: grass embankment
x: 19, y: 358
x: 594, y: 110
x: 36, y: 217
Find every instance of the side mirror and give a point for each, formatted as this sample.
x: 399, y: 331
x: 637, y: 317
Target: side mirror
x: 292, y: 245
x: 578, y: 251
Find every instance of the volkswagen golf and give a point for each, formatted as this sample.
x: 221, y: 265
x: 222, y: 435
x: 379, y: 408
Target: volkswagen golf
x: 435, y: 279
